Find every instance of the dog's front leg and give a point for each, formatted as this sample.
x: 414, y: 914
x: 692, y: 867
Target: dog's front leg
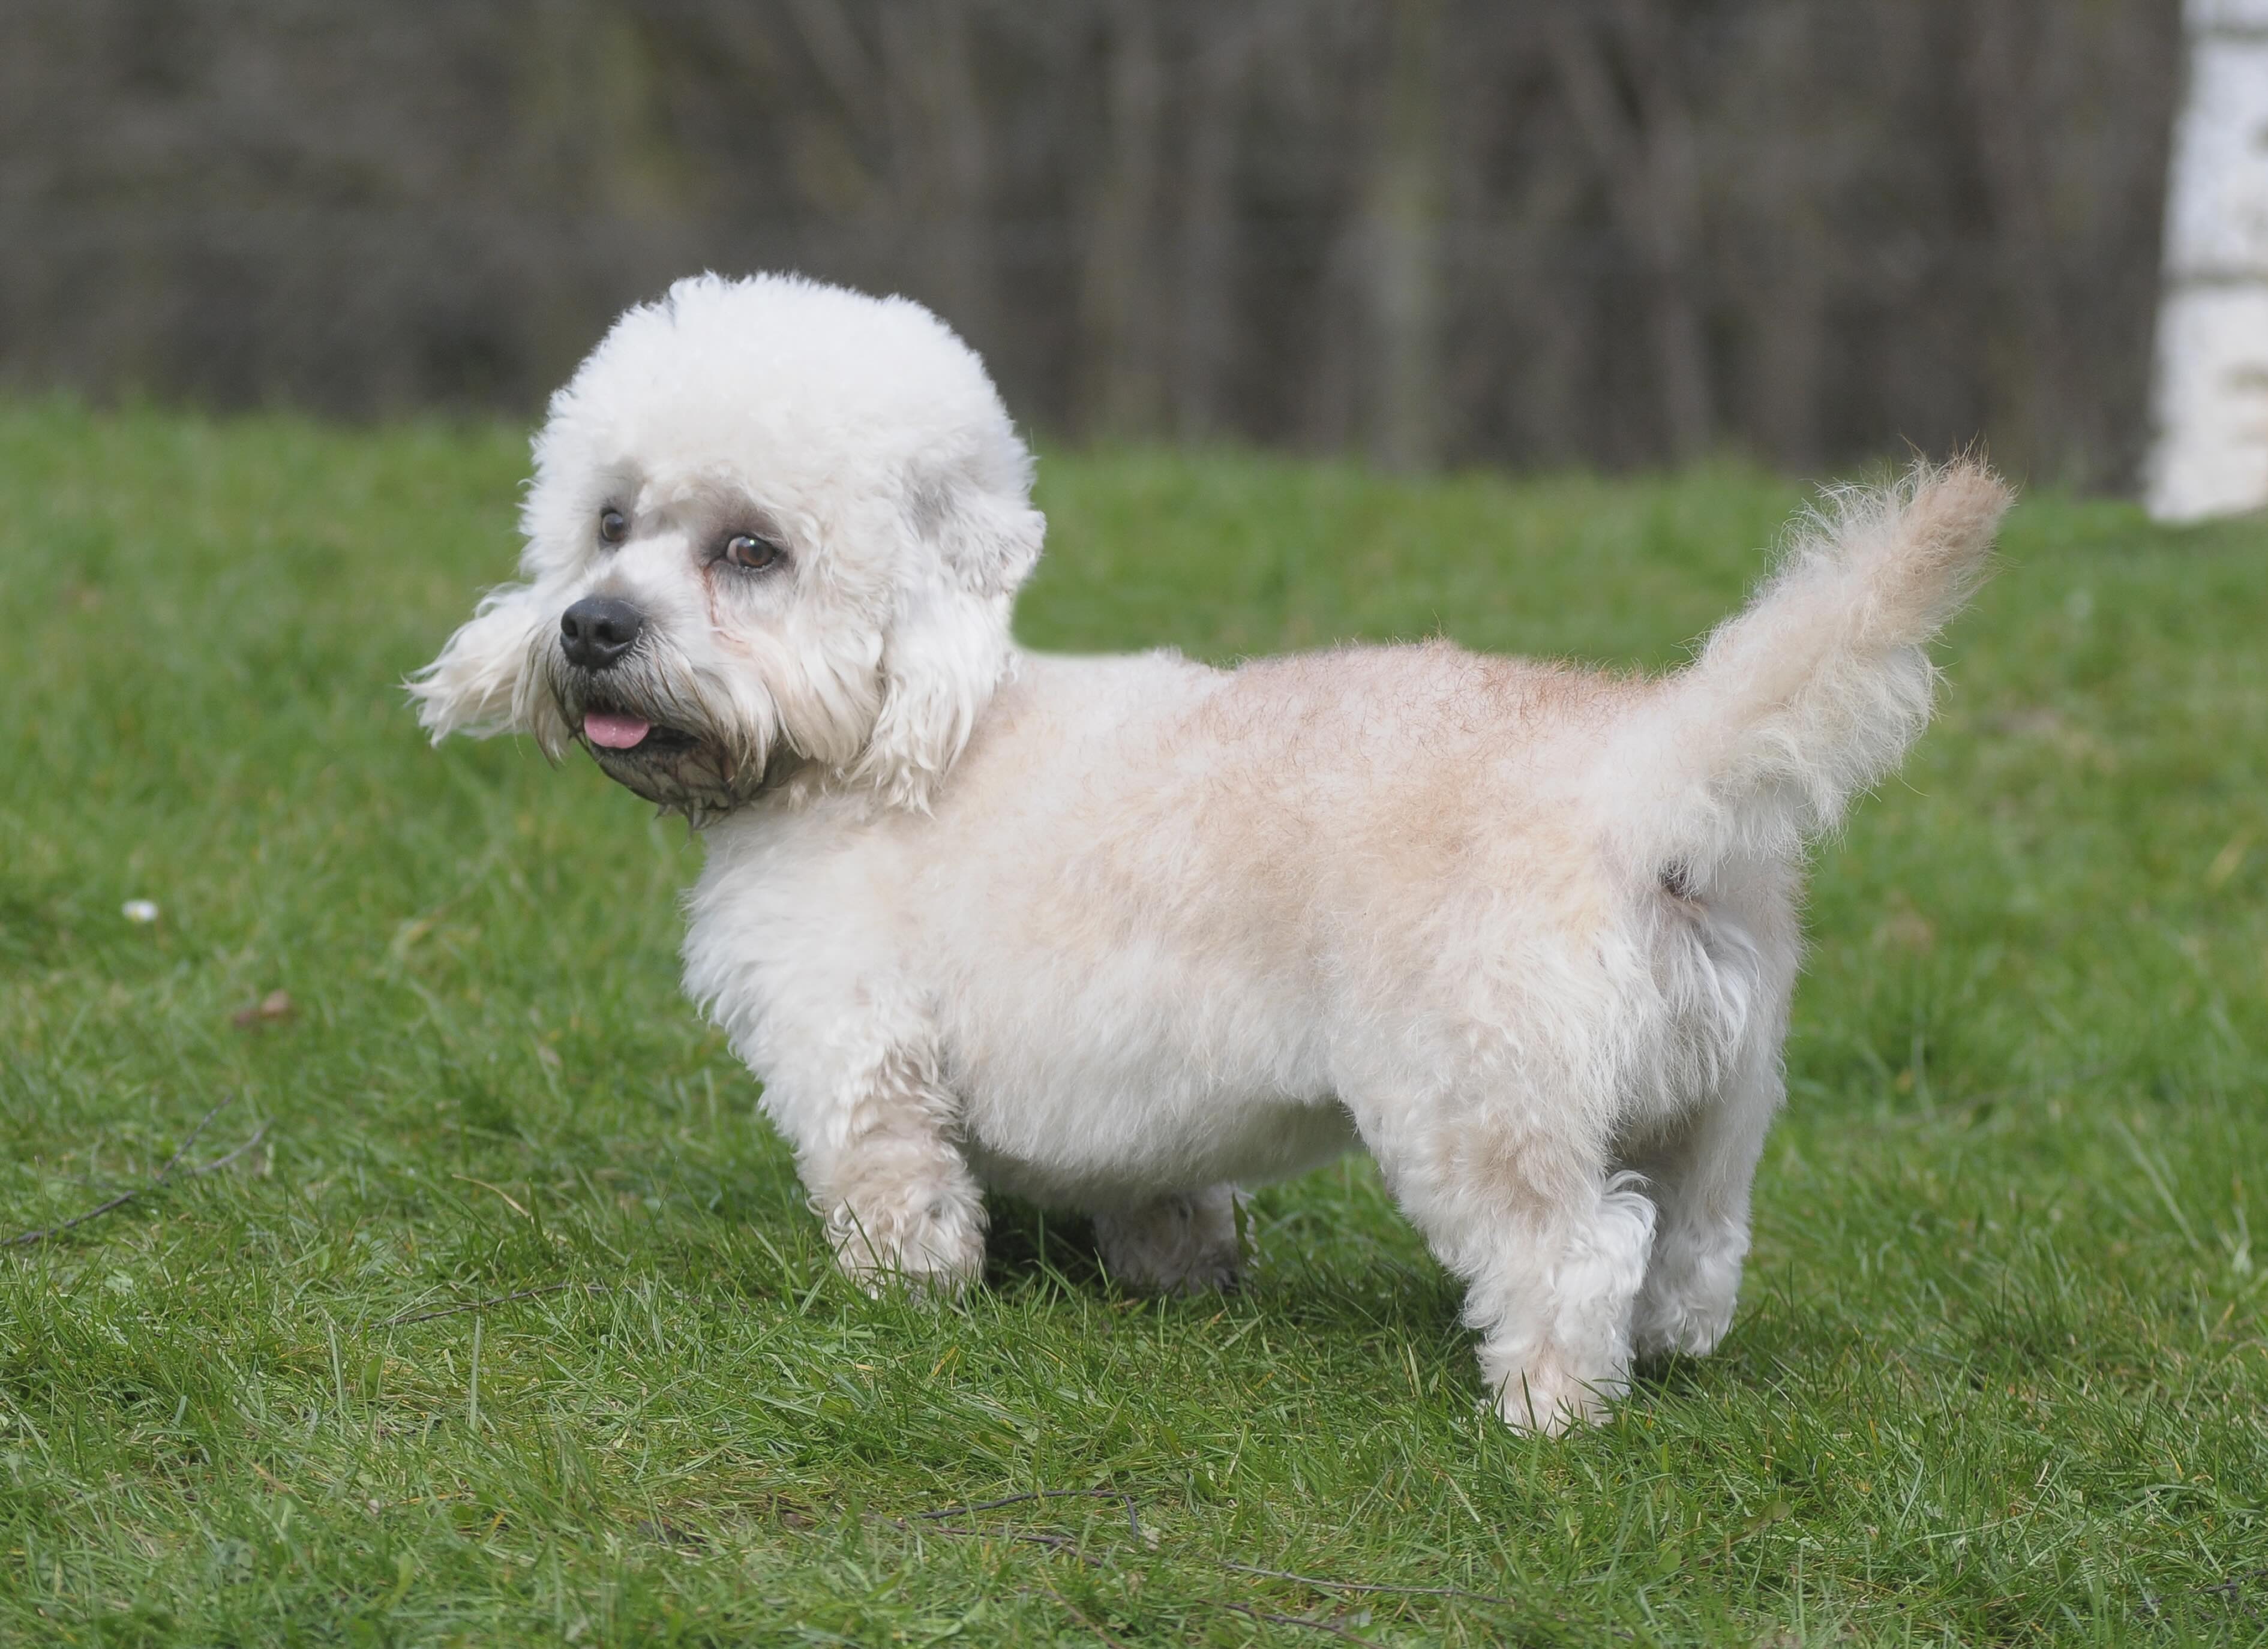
x: 898, y: 1197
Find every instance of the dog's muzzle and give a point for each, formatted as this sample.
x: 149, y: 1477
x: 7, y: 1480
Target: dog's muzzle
x: 643, y: 730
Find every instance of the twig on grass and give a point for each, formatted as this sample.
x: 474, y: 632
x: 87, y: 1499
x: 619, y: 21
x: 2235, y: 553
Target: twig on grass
x: 1368, y: 1586
x: 1308, y: 1621
x: 218, y: 1163
x: 932, y: 1522
x: 1133, y: 1522
x: 1047, y: 1539
x: 483, y: 1305
x: 24, y: 1240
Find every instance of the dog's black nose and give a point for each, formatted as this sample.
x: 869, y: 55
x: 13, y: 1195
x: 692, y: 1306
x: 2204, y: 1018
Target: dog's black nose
x: 598, y: 630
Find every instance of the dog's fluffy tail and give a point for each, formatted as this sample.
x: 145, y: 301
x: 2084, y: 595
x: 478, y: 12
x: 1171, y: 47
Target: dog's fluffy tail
x: 1812, y: 694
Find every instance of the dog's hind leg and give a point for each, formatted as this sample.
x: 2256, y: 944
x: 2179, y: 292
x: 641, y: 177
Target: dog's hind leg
x: 1553, y: 1248
x: 1698, y: 1166
x: 1699, y: 1175
x: 898, y: 1197
x: 1181, y: 1244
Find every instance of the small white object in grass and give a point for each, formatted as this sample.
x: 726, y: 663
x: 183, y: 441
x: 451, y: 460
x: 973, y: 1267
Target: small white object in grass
x: 141, y: 910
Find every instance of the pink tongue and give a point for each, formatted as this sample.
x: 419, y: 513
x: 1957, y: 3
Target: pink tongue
x: 614, y: 732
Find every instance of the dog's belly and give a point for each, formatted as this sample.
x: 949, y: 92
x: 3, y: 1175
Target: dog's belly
x: 1101, y: 1064
x: 1124, y: 1152
x: 1103, y: 1099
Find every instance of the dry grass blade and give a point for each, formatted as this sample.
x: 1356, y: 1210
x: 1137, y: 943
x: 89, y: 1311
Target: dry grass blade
x: 1368, y: 1586
x: 403, y: 1318
x: 1133, y: 1521
x: 1307, y: 1621
x: 220, y: 1162
x: 1047, y: 1540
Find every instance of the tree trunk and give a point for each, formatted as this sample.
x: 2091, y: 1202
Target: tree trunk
x: 1648, y: 154
x: 1208, y: 285
x: 2011, y: 68
x: 1402, y: 250
x: 2210, y: 453
x: 1125, y: 386
x: 940, y: 160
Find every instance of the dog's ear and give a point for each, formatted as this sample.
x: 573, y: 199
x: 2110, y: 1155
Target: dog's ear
x: 990, y: 542
x: 480, y: 684
x: 946, y: 645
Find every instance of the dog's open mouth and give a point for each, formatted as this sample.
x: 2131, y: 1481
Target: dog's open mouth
x: 621, y: 733
x: 681, y: 771
x: 682, y: 765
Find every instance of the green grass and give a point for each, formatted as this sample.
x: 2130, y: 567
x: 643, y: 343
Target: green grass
x: 1998, y: 1370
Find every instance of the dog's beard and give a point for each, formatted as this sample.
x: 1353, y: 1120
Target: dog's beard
x: 703, y: 752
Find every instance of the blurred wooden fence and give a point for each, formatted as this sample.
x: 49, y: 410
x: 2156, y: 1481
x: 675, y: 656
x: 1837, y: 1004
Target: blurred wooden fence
x: 1527, y: 231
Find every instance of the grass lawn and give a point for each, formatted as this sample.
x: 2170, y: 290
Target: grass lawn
x: 1999, y: 1373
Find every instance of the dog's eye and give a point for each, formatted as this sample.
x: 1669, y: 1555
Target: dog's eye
x: 614, y: 525
x: 745, y: 549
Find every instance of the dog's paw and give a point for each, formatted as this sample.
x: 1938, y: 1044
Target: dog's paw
x: 939, y: 1249
x: 1679, y: 1328
x: 1545, y: 1400
x: 1204, y: 1277
x: 1685, y: 1310
x: 1184, y: 1244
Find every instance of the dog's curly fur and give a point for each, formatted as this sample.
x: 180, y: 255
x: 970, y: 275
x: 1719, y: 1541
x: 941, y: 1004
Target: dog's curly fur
x: 1123, y: 934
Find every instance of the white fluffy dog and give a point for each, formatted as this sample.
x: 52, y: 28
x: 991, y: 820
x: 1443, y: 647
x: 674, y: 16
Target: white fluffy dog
x: 1123, y: 934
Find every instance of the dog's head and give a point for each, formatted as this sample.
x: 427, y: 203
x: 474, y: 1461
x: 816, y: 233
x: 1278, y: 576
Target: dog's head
x: 775, y: 526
